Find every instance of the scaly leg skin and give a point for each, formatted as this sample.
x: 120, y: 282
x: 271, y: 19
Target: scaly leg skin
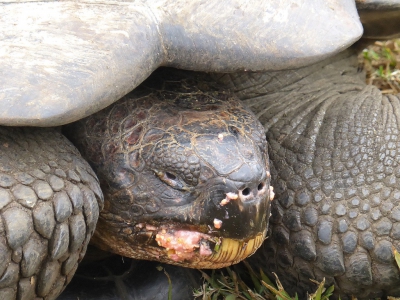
x: 49, y: 205
x: 335, y: 150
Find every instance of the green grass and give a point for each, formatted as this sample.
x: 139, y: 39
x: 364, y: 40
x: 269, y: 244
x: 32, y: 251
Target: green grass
x: 382, y: 64
x: 234, y: 283
x: 228, y: 284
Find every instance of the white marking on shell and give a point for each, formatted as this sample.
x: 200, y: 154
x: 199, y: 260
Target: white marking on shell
x: 123, y: 32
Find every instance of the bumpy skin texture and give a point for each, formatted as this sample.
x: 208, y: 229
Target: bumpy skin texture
x: 166, y: 157
x: 49, y: 205
x: 334, y: 146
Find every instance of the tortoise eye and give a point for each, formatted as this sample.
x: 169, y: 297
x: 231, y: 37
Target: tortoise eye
x: 171, y: 179
x: 234, y: 130
x: 170, y: 176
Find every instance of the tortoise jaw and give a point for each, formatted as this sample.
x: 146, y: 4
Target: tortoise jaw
x: 187, y: 248
x: 232, y: 251
x: 198, y: 250
x: 229, y: 252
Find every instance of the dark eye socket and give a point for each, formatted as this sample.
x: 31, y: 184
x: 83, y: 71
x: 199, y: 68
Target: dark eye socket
x: 170, y: 176
x: 234, y: 130
x: 171, y: 179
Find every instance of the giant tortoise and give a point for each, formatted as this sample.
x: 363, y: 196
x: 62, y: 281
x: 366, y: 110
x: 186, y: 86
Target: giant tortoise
x: 182, y: 163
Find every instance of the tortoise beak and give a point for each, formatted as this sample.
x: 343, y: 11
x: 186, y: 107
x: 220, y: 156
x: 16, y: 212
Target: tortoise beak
x: 231, y: 252
x: 237, y: 210
x: 226, y: 253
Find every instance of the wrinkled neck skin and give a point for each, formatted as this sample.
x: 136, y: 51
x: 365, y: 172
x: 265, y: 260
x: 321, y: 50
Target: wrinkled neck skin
x: 186, y: 168
x: 334, y: 146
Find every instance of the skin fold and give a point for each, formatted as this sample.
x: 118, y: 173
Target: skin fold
x: 334, y: 149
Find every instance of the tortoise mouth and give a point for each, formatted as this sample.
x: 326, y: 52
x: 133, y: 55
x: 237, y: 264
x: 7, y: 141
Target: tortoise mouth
x: 187, y: 247
x: 185, y: 244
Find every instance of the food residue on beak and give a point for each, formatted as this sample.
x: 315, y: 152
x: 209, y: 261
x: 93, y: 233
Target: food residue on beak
x: 217, y: 223
x: 271, y: 193
x: 181, y: 244
x: 229, y: 196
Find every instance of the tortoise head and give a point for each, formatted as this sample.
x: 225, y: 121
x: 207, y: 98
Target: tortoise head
x: 185, y: 177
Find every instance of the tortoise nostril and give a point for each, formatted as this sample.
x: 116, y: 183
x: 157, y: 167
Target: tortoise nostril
x: 246, y: 192
x: 260, y: 186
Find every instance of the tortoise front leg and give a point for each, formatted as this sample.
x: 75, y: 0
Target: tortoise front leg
x: 49, y: 205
